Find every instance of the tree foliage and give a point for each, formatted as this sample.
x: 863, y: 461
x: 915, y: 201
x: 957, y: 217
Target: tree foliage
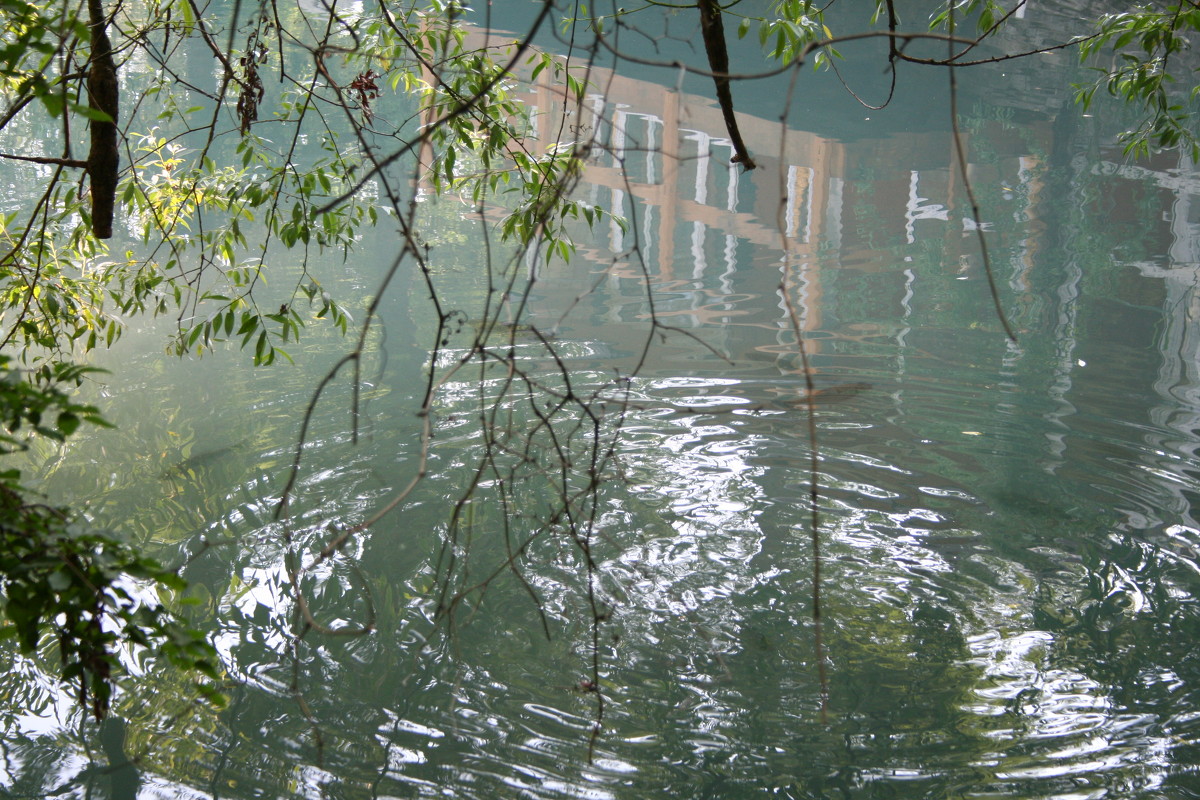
x: 1138, y: 55
x: 61, y: 576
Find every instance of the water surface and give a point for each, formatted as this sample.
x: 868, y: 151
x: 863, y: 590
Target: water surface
x: 1009, y: 553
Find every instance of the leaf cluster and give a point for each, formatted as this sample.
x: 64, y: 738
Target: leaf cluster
x: 1142, y: 47
x: 63, y: 583
x: 1140, y: 55
x: 215, y: 187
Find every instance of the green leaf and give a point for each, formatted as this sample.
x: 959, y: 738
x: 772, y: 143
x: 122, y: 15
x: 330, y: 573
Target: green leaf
x: 68, y: 423
x: 53, y: 104
x: 59, y: 581
x: 94, y: 114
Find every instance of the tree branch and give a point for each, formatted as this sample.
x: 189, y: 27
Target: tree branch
x: 58, y: 162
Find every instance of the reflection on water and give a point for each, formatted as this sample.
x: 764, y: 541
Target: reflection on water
x: 1010, y: 550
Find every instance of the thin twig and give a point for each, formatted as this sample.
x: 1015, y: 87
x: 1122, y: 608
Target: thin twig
x: 960, y: 153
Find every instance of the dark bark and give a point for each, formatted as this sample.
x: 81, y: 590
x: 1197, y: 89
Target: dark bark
x: 713, y: 30
x: 103, y: 95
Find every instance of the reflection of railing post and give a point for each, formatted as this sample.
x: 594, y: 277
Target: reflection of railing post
x: 799, y: 189
x: 808, y: 289
x: 425, y: 148
x: 668, y: 209
x: 802, y: 228
x: 543, y: 107
x: 954, y: 251
x: 1027, y: 177
x: 826, y: 165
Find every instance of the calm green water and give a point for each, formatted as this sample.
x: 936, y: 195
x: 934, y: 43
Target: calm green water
x: 1010, y: 556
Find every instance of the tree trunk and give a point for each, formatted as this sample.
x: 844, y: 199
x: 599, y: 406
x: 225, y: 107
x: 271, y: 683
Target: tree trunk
x: 713, y: 30
x: 103, y: 95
